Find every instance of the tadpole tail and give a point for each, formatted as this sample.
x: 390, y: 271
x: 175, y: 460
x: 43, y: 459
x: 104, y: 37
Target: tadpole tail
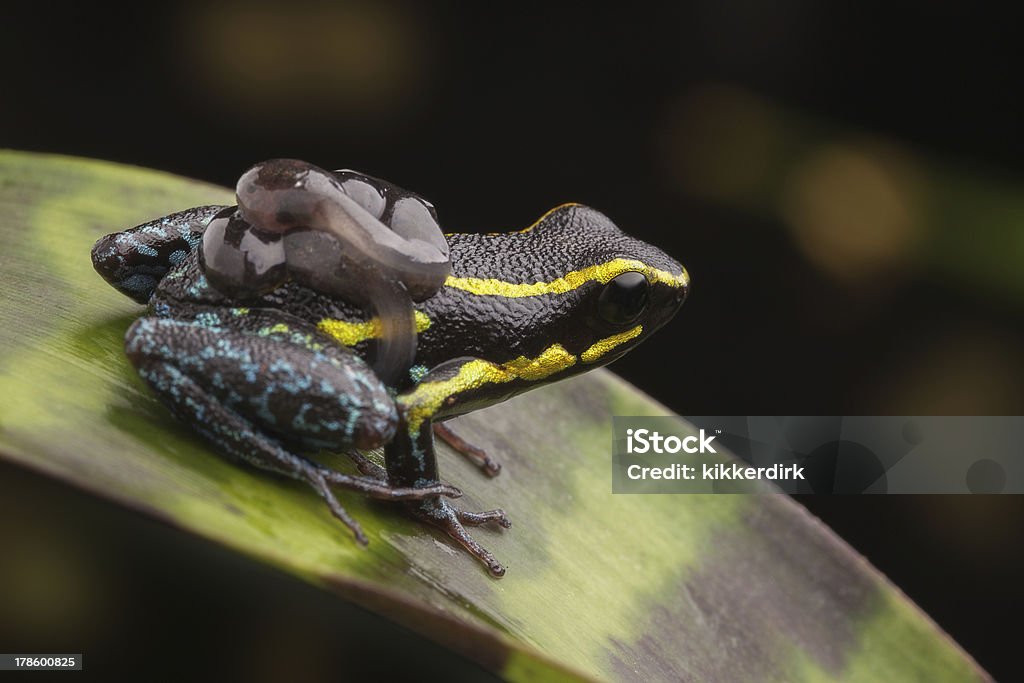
x: 396, y: 346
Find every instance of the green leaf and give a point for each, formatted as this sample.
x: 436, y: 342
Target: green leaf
x: 656, y: 587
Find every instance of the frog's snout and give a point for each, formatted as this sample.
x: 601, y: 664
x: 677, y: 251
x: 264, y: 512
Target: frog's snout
x: 683, y: 290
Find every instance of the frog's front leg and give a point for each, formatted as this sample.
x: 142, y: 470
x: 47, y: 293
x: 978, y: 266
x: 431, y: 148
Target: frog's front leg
x: 260, y: 391
x: 410, y: 459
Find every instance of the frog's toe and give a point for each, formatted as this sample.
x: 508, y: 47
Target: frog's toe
x: 319, y: 482
x: 382, y: 490
x: 497, y: 516
x: 322, y: 478
x: 454, y: 521
x: 379, y: 488
x: 367, y: 466
x: 476, y: 455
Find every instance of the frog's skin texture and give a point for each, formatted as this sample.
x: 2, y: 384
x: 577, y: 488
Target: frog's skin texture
x: 269, y: 379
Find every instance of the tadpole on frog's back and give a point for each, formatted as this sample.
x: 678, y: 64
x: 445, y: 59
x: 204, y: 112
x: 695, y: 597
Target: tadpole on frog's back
x: 302, y: 221
x: 282, y: 196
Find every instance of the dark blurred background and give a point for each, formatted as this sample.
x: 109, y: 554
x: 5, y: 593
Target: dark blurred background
x: 844, y: 182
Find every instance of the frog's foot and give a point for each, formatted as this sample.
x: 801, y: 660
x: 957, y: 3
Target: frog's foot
x: 453, y: 521
x: 322, y: 478
x: 319, y: 483
x: 474, y: 454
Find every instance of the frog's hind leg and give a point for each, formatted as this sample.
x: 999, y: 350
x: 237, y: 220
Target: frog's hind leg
x: 251, y: 394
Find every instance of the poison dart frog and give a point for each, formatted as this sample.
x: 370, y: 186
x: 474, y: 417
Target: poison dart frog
x: 266, y: 324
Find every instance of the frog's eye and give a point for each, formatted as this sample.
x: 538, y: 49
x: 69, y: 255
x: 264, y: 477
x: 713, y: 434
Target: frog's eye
x: 624, y: 298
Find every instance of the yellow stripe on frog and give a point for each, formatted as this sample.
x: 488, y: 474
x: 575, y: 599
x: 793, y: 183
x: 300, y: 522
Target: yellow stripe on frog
x: 428, y: 397
x: 605, y: 345
x: 602, y: 273
x: 351, y: 333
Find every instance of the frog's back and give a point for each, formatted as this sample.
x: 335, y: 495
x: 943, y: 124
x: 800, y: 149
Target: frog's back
x: 567, y: 239
x: 157, y: 263
x: 508, y: 295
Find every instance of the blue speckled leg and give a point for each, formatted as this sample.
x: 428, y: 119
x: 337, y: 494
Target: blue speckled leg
x: 251, y: 391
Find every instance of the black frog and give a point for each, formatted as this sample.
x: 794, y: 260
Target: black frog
x: 280, y: 355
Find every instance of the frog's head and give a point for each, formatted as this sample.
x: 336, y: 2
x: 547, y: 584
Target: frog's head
x: 567, y: 294
x: 624, y: 289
